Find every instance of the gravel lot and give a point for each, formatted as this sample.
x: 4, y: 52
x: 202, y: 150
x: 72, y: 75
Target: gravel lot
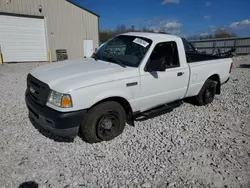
x: 189, y: 147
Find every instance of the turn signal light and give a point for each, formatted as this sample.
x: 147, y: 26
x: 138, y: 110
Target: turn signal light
x: 66, y: 101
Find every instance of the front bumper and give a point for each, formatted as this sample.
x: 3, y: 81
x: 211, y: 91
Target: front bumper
x: 64, y: 124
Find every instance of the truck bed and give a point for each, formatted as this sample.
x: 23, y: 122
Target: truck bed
x: 203, y: 70
x: 196, y: 57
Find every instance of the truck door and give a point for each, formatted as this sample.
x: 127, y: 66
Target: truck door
x: 167, y: 86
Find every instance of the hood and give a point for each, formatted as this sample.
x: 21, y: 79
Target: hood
x: 70, y: 75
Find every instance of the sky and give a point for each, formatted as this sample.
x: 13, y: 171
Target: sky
x: 180, y: 17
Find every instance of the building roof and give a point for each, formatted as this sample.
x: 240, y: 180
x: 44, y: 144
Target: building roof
x: 70, y: 1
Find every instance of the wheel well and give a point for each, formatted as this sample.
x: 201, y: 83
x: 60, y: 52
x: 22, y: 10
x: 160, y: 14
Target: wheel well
x: 126, y: 106
x: 216, y: 78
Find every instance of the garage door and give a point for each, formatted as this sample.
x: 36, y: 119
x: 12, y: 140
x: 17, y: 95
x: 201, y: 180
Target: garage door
x: 22, y: 39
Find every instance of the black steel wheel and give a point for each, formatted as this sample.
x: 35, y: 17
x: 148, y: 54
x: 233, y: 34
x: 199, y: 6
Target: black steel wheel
x: 207, y: 93
x: 108, y: 125
x: 103, y: 122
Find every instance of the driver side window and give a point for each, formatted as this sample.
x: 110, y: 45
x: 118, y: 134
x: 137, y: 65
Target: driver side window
x: 168, y: 52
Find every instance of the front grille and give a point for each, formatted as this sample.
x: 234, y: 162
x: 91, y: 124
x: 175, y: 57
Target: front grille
x: 38, y: 90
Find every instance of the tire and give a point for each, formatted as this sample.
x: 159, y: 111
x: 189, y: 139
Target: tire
x: 206, y: 94
x: 103, y: 122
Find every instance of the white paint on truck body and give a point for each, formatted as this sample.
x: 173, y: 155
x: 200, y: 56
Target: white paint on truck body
x: 89, y: 81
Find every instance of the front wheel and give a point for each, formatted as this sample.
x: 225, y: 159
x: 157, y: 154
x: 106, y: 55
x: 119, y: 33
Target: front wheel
x: 103, y: 122
x: 206, y: 94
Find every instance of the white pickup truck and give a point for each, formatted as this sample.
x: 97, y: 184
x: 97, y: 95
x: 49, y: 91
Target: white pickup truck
x: 133, y: 76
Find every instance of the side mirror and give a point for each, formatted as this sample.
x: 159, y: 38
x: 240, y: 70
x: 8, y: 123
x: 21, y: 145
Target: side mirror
x: 156, y: 65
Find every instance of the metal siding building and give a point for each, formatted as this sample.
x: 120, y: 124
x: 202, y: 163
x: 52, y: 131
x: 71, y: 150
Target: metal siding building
x: 66, y: 24
x: 241, y: 44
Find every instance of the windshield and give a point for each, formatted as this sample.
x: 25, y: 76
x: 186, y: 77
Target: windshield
x: 124, y: 50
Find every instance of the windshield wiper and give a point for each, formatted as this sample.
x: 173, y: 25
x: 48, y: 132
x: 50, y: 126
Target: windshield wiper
x: 114, y: 60
x: 95, y: 56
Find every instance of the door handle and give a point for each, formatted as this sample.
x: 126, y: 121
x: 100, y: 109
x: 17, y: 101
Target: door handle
x: 180, y: 73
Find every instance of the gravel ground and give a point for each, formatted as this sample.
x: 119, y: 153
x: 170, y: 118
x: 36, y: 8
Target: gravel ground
x: 242, y: 58
x: 189, y: 147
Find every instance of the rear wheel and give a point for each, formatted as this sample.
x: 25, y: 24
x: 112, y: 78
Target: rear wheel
x: 103, y: 122
x: 206, y: 94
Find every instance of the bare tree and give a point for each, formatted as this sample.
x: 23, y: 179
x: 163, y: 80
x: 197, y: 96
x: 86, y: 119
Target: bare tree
x: 222, y: 33
x: 108, y: 34
x: 219, y: 33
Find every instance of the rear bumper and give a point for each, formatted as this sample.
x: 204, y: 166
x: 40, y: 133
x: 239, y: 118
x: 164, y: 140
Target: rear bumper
x: 64, y: 124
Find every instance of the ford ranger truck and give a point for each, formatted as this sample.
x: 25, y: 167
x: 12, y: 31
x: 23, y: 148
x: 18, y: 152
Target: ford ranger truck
x: 133, y: 76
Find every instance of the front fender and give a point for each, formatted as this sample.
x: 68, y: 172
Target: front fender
x: 87, y: 97
x: 109, y: 94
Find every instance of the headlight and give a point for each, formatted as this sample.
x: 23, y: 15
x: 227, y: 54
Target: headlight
x: 60, y: 99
